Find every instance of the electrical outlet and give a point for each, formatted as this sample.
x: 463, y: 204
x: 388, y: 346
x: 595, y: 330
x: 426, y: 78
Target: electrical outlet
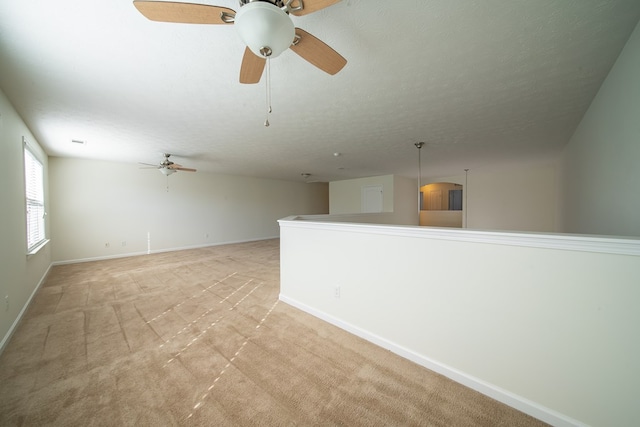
x: 336, y: 292
x: 124, y: 243
x: 106, y: 245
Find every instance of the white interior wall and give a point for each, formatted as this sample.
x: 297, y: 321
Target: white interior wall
x: 518, y: 197
x: 522, y: 196
x: 399, y: 197
x: 96, y: 202
x: 345, y: 196
x: 405, y: 200
x: 20, y: 275
x: 600, y: 170
x: 544, y: 323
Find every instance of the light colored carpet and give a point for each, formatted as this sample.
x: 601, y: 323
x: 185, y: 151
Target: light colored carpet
x: 198, y: 337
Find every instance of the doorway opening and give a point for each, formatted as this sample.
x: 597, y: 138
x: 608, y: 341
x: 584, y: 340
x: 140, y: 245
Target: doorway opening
x: 441, y: 204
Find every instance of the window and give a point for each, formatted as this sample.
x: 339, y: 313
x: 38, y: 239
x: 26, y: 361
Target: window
x: 34, y: 192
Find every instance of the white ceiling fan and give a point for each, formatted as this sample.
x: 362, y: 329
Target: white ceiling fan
x: 265, y: 26
x: 167, y: 167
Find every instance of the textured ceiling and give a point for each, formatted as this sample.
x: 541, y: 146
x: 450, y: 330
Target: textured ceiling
x: 479, y: 81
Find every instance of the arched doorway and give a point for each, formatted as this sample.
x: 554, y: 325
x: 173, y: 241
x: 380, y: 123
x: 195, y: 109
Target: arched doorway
x: 441, y: 204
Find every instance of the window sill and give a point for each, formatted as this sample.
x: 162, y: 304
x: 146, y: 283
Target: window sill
x: 35, y: 249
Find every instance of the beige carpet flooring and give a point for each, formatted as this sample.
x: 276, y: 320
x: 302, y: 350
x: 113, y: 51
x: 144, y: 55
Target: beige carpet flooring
x: 198, y: 337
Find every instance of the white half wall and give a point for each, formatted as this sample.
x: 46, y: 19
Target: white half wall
x: 95, y: 204
x: 441, y: 218
x: 601, y: 173
x: 545, y: 323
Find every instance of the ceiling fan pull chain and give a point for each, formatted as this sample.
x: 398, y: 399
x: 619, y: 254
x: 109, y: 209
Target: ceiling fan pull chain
x: 268, y: 82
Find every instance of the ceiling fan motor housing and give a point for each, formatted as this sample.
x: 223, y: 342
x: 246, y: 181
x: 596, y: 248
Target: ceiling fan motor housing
x: 265, y: 28
x: 278, y: 3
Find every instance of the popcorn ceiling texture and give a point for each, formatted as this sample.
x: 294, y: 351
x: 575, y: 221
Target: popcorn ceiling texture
x: 480, y: 81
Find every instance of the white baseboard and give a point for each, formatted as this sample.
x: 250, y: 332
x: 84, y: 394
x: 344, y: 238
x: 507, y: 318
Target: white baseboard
x: 501, y: 395
x: 157, y: 251
x: 16, y: 322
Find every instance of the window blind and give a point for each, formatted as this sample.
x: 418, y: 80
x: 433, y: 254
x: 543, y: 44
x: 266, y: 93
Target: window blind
x: 34, y: 192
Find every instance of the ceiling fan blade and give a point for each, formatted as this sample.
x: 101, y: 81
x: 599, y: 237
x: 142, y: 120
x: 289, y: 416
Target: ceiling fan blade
x: 187, y: 13
x: 148, y: 164
x: 317, y: 52
x: 310, y: 6
x: 173, y: 165
x: 251, y: 68
x: 184, y: 169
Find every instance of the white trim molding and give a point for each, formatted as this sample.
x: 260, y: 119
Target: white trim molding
x: 16, y: 322
x: 529, y: 407
x: 157, y: 251
x: 571, y: 242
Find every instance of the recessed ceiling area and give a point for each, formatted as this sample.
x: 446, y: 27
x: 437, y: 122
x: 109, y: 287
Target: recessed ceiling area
x: 478, y: 81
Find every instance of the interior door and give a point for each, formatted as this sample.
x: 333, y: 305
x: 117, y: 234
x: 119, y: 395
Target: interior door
x: 372, y: 198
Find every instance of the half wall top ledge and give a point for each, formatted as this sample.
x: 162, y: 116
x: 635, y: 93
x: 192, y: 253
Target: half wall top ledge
x: 377, y: 224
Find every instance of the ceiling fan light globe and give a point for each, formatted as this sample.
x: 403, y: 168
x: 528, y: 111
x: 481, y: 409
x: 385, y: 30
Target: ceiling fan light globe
x: 264, y: 27
x: 166, y: 171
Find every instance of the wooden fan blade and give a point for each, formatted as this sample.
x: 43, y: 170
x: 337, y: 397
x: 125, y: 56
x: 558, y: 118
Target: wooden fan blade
x: 184, y: 169
x: 187, y: 13
x: 318, y: 53
x: 310, y: 6
x: 251, y: 68
x: 173, y: 166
